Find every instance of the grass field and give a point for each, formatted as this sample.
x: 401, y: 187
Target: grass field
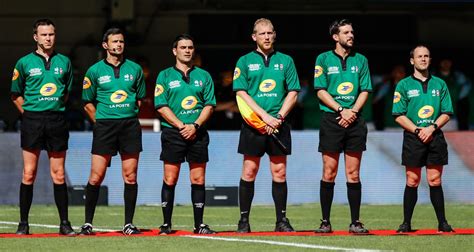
x: 303, y: 217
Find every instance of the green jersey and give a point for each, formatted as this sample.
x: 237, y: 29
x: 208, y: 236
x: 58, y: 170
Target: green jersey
x: 267, y: 81
x: 185, y: 95
x: 42, y: 83
x: 422, y: 101
x: 114, y: 90
x: 343, y: 79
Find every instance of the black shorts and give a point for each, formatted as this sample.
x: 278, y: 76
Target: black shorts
x: 335, y: 138
x: 47, y: 130
x: 253, y: 143
x: 417, y: 154
x: 175, y: 149
x: 112, y: 135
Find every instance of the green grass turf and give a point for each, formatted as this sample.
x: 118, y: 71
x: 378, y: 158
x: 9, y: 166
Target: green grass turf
x: 303, y: 217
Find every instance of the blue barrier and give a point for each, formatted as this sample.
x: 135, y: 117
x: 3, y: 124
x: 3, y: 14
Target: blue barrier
x: 382, y: 176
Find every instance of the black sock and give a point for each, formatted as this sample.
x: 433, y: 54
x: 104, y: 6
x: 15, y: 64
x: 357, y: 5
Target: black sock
x: 437, y: 199
x: 280, y: 195
x: 92, y: 195
x: 61, y: 199
x: 198, y: 197
x: 326, y: 194
x: 246, y: 192
x: 167, y: 202
x: 26, y: 197
x: 130, y: 192
x: 409, y: 201
x: 354, y: 195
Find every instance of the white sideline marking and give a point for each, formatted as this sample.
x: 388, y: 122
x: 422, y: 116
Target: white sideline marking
x: 55, y: 226
x: 290, y: 244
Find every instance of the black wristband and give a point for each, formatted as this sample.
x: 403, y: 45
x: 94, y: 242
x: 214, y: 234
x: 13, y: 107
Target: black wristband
x: 196, y: 126
x: 435, y: 126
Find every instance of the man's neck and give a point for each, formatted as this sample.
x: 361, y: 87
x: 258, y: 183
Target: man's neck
x: 421, y: 75
x: 45, y: 53
x: 114, y: 60
x: 342, y: 51
x: 265, y: 52
x: 183, y: 67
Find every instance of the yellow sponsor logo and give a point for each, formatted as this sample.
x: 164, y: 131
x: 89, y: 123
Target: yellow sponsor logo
x: 267, y: 85
x: 425, y: 112
x: 15, y: 74
x: 86, y: 83
x: 189, y: 102
x: 118, y: 96
x: 236, y: 73
x: 158, y: 90
x: 345, y: 88
x: 318, y: 70
x: 396, y: 97
x: 48, y: 89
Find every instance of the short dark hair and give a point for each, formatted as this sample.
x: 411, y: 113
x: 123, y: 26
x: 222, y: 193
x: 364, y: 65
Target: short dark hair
x: 112, y: 31
x: 334, y: 27
x: 412, y: 52
x: 183, y: 36
x: 42, y: 21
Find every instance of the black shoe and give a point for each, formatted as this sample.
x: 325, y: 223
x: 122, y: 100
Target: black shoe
x: 324, y: 228
x: 445, y: 227
x: 284, y: 226
x: 243, y: 226
x: 404, y: 228
x: 130, y: 229
x: 357, y: 228
x: 66, y: 229
x: 165, y: 229
x: 203, y: 229
x: 86, y: 229
x: 23, y: 228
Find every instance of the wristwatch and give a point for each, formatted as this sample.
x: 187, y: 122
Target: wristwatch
x: 340, y: 109
x: 196, y: 126
x: 435, y: 126
x: 417, y: 130
x: 280, y: 117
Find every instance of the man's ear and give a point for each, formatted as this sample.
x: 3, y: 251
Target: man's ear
x: 412, y: 62
x: 105, y: 46
x: 174, y: 52
x: 254, y: 37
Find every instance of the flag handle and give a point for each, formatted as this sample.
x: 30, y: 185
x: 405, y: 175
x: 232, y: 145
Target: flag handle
x: 282, y: 146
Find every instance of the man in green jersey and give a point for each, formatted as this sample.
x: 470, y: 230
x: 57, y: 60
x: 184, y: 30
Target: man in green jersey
x: 112, y: 92
x: 268, y: 82
x: 40, y: 86
x: 422, y: 106
x: 342, y: 81
x: 184, y: 98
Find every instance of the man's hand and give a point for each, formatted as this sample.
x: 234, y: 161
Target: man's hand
x: 426, y: 134
x: 188, y: 132
x: 346, y: 118
x: 271, y: 121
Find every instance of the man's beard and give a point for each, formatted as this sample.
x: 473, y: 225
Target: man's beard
x: 346, y: 46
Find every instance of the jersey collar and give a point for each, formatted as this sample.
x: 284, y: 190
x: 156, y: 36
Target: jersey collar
x: 267, y: 60
x: 344, y: 61
x: 185, y: 77
x: 424, y: 84
x: 116, y: 68
x: 47, y: 63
